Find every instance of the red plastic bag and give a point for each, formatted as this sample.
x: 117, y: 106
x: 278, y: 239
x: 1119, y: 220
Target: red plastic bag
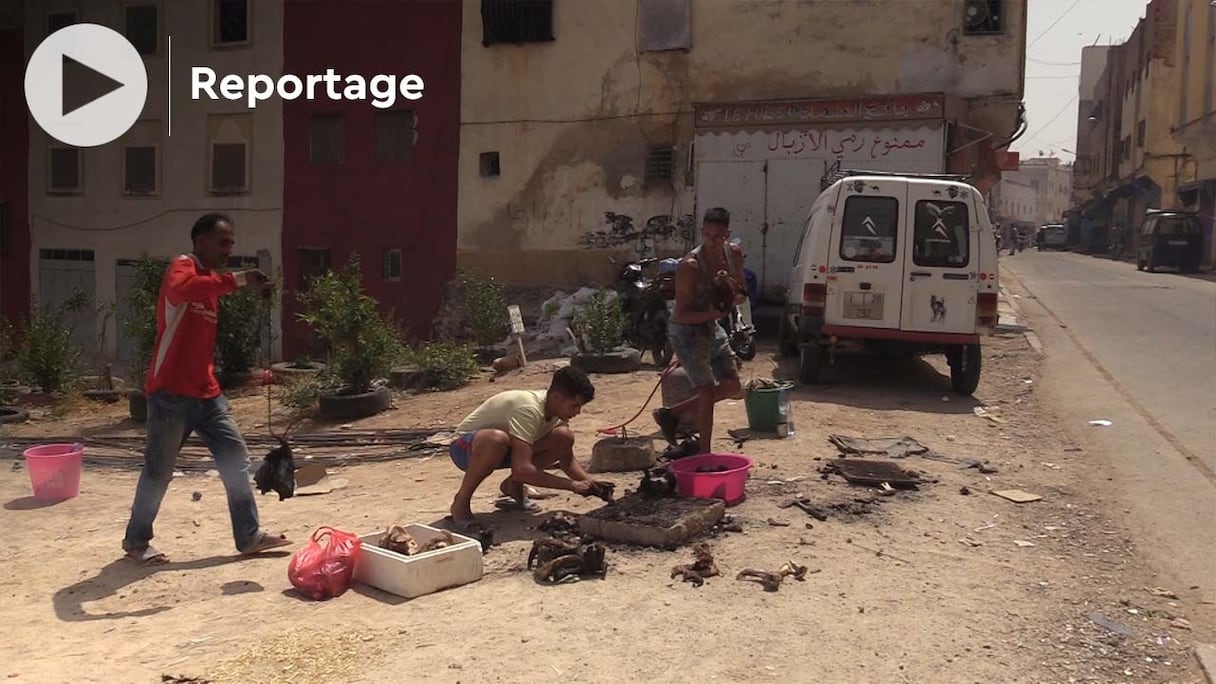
x: 322, y: 571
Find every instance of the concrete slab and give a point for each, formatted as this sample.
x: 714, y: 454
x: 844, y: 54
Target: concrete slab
x: 663, y: 523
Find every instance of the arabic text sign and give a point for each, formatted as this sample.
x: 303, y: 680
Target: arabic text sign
x: 870, y: 146
x: 898, y: 108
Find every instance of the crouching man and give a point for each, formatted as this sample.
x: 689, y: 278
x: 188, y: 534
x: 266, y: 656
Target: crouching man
x: 528, y: 432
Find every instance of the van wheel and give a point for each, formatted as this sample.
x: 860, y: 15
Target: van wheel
x: 1139, y: 264
x: 786, y: 343
x: 965, y: 364
x: 810, y: 364
x: 1151, y: 264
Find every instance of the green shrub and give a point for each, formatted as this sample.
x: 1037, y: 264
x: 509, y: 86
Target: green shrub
x: 140, y: 325
x: 483, y: 304
x: 46, y: 353
x: 601, y: 323
x: 444, y: 365
x: 243, y: 316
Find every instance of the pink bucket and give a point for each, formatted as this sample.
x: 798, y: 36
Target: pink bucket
x: 55, y: 470
x: 727, y: 485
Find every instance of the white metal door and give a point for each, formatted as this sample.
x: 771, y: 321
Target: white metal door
x: 865, y: 262
x: 942, y: 261
x: 739, y: 188
x: 792, y: 186
x: 61, y: 274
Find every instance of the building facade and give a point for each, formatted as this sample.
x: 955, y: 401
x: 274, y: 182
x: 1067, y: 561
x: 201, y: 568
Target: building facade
x: 1194, y: 127
x: 667, y: 108
x: 1014, y: 203
x: 92, y: 211
x: 14, y: 178
x: 377, y: 182
x: 1050, y: 181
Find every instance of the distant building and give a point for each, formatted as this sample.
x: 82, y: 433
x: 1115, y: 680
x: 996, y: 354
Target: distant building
x: 1194, y: 126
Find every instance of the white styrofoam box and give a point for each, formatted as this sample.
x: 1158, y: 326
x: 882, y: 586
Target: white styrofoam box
x: 425, y: 573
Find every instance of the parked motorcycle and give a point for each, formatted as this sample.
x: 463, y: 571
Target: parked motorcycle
x: 739, y: 328
x: 646, y: 303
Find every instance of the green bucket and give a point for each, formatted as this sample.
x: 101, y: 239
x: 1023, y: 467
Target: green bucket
x: 767, y: 406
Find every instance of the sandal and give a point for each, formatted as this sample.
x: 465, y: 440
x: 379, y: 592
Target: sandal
x: 266, y: 542
x: 147, y: 556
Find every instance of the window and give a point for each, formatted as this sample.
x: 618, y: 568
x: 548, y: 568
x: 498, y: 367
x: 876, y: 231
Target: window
x: 1177, y: 226
x: 488, y: 162
x: 65, y: 170
x: 59, y: 20
x: 392, y: 264
x: 516, y: 21
x: 231, y: 22
x: 660, y: 164
x: 326, y: 138
x: 143, y: 29
x: 314, y: 263
x: 942, y: 234
x: 139, y: 170
x: 983, y: 17
x: 228, y: 168
x: 1140, y: 133
x: 395, y: 135
x: 869, y: 227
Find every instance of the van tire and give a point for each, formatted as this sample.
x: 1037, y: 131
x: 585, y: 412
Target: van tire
x: 810, y: 364
x: 965, y: 363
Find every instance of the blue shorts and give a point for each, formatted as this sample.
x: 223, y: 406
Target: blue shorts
x: 461, y: 451
x: 704, y: 352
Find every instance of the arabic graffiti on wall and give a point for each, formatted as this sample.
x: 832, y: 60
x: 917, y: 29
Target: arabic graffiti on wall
x: 868, y: 109
x: 921, y: 144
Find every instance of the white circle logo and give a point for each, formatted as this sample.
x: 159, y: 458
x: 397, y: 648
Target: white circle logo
x: 86, y: 85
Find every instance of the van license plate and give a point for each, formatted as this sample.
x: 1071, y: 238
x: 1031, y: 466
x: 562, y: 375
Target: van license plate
x: 1178, y: 243
x: 866, y: 306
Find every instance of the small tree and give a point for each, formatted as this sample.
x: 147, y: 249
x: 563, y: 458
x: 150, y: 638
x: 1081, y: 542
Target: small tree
x: 363, y: 343
x: 238, y: 339
x: 140, y: 324
x: 601, y: 323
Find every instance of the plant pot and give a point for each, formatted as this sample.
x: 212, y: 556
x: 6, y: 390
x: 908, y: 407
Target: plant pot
x: 12, y: 414
x: 487, y: 354
x: 137, y: 403
x: 288, y: 370
x: 405, y: 377
x: 353, y: 406
x: 625, y: 360
x: 106, y: 396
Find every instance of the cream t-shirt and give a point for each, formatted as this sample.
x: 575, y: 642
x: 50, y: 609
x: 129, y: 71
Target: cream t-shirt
x: 519, y: 413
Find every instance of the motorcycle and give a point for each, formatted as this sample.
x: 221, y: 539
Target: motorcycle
x: 647, y: 303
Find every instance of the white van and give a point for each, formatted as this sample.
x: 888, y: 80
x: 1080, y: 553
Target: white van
x: 893, y: 264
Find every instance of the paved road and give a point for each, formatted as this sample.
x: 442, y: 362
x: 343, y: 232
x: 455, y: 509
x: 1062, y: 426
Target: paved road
x: 1138, y: 349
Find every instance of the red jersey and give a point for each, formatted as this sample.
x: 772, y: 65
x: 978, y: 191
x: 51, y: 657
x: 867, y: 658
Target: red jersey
x: 187, y: 311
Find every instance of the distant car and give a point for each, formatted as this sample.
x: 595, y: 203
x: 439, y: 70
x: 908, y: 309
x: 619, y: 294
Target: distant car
x: 1053, y: 236
x: 1171, y: 238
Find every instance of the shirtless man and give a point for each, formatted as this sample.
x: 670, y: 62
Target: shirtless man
x: 700, y: 343
x: 528, y: 432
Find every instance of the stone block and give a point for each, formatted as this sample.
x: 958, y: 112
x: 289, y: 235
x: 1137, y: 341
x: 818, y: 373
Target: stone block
x: 613, y: 454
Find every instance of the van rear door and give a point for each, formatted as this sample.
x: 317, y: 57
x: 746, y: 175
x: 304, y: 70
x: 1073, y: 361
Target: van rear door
x: 865, y: 264
x: 942, y: 261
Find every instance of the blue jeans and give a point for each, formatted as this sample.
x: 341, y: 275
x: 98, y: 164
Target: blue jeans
x: 171, y: 418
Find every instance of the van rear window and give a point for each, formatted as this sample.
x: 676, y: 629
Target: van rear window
x: 869, y: 229
x: 1177, y: 226
x: 942, y: 234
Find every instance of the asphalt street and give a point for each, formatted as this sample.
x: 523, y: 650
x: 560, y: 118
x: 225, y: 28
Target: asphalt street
x: 1137, y: 349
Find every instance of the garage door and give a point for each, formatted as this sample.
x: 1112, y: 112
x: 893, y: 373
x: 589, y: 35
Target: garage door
x: 62, y: 273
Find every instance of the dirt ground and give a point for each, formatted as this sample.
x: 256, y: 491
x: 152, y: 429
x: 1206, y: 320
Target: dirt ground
x: 928, y: 585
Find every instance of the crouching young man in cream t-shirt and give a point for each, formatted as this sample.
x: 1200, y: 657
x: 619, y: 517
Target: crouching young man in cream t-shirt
x: 526, y: 431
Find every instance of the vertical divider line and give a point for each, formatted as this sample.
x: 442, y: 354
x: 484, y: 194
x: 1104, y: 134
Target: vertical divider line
x: 169, y: 91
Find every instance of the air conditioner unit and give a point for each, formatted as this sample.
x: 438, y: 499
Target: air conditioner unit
x: 983, y: 17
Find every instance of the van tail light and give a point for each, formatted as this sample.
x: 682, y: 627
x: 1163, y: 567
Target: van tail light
x: 814, y: 298
x: 985, y: 312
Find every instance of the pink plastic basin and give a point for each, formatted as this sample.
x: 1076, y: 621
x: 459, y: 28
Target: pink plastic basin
x: 54, y: 470
x: 727, y: 485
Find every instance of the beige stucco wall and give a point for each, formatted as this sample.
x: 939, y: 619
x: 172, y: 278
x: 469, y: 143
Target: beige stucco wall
x: 120, y: 227
x: 571, y: 118
x: 1197, y: 124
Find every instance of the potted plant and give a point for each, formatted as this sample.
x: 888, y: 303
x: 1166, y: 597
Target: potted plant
x: 363, y: 343
x: 301, y: 367
x: 243, y: 316
x: 47, y: 355
x: 599, y: 333
x: 140, y: 328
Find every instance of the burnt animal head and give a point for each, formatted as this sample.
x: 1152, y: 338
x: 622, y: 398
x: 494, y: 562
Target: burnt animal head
x: 278, y: 471
x: 657, y: 483
x: 724, y: 291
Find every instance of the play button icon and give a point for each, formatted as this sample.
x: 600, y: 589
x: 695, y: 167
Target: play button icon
x: 86, y: 85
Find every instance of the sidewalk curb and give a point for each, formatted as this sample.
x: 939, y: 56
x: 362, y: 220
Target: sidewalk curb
x: 1030, y: 335
x: 1206, y: 655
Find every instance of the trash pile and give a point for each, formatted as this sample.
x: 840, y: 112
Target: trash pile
x: 558, y: 313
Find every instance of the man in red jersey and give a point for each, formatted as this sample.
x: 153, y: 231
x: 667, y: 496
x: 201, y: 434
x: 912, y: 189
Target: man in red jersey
x: 184, y: 396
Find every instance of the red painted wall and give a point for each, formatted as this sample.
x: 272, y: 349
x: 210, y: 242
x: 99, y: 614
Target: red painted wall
x: 14, y: 178
x: 363, y: 204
